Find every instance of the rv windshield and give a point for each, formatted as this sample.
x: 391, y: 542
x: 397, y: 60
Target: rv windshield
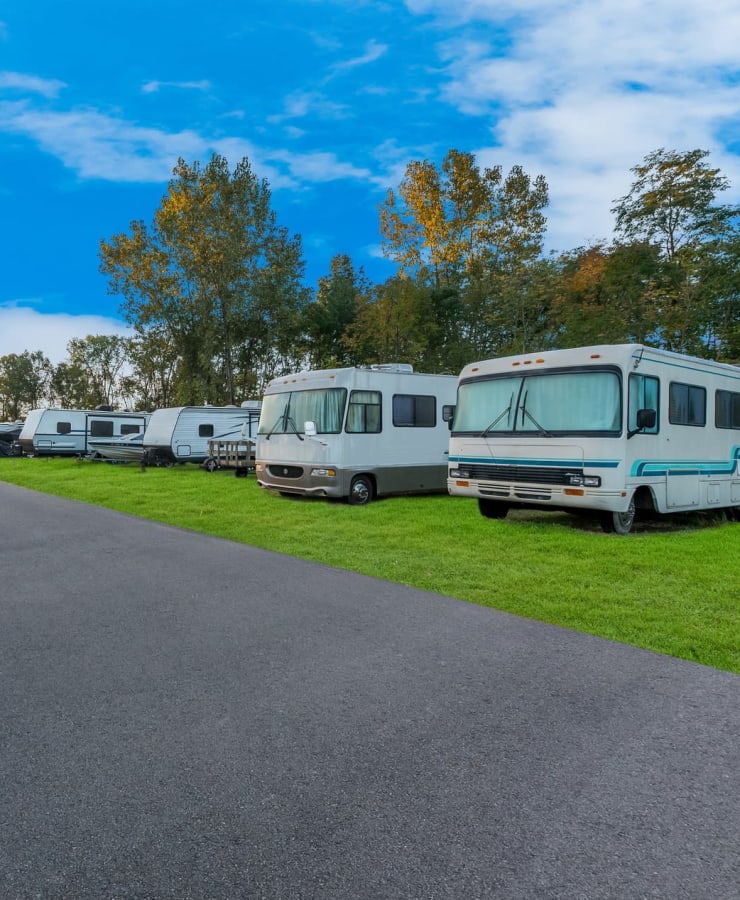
x: 285, y: 413
x: 543, y: 404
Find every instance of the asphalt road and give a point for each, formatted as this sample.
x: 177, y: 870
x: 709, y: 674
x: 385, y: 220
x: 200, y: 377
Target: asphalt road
x: 186, y: 717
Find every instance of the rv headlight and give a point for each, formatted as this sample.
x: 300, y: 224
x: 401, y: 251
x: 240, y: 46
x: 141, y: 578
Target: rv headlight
x: 324, y: 473
x: 592, y: 481
x: 459, y: 473
x: 258, y: 467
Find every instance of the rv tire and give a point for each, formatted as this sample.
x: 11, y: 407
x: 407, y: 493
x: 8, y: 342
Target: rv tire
x: 619, y: 522
x: 360, y: 491
x: 492, y: 509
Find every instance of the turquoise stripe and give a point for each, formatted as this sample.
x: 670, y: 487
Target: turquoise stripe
x: 686, y: 466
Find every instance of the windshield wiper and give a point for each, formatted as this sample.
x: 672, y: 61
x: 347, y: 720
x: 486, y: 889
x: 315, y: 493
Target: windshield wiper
x: 290, y: 421
x: 525, y: 412
x: 275, y: 425
x: 285, y: 420
x: 498, y: 418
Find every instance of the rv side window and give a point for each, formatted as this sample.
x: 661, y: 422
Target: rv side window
x: 364, y: 413
x: 64, y: 427
x: 130, y: 429
x: 643, y: 394
x: 101, y: 428
x: 687, y: 404
x: 414, y: 411
x: 727, y: 409
x: 205, y: 431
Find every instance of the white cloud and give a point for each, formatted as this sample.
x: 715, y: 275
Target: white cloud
x: 95, y: 145
x: 373, y: 52
x: 301, y: 104
x: 47, y: 87
x: 99, y: 146
x: 24, y: 328
x: 152, y: 87
x: 321, y: 167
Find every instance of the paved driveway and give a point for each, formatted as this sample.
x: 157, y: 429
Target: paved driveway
x: 186, y: 717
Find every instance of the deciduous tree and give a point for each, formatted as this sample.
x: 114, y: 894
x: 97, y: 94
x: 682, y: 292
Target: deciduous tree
x: 24, y: 380
x: 101, y: 358
x: 215, y: 272
x: 471, y: 234
x: 672, y: 204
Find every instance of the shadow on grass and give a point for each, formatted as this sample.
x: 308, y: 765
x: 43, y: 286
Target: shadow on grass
x: 645, y: 521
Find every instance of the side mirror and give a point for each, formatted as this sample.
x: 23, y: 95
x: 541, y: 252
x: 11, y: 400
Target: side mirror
x: 309, y: 429
x: 645, y: 419
x: 448, y: 414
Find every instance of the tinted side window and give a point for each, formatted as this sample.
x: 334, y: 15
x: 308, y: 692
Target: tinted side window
x: 205, y: 431
x: 644, y: 393
x: 101, y: 428
x: 687, y: 404
x: 64, y: 427
x: 130, y: 429
x: 727, y: 409
x: 364, y: 413
x: 414, y: 411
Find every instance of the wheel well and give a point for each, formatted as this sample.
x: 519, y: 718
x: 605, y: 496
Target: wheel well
x: 644, y: 499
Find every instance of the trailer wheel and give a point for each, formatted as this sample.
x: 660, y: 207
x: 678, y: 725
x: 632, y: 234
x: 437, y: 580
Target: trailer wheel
x: 492, y: 509
x: 210, y: 465
x: 360, y: 491
x: 619, y: 522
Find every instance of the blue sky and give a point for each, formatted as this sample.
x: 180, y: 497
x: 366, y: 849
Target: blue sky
x: 330, y: 100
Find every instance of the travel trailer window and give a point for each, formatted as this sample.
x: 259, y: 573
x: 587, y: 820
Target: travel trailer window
x: 205, y: 431
x: 414, y: 411
x: 130, y: 429
x: 687, y: 404
x: 727, y: 409
x: 64, y: 427
x: 285, y: 413
x: 364, y: 412
x: 101, y: 428
x: 644, y: 394
x: 584, y: 401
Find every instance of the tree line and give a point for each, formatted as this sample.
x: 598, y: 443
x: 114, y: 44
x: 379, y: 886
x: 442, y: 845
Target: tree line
x: 214, y: 291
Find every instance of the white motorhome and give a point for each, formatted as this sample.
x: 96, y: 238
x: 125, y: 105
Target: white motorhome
x: 179, y: 434
x: 355, y: 433
x: 610, y: 429
x: 66, y: 432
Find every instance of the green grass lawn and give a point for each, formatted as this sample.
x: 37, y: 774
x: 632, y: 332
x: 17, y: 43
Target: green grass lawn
x: 671, y: 586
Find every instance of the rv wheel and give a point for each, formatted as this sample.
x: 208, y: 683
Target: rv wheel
x: 619, y: 522
x: 360, y: 491
x: 210, y: 465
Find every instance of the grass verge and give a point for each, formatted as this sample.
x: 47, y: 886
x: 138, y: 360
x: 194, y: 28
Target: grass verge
x: 671, y: 587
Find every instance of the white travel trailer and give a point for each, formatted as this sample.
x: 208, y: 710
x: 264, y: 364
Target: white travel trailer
x: 611, y: 429
x: 179, y: 434
x: 66, y: 432
x: 355, y: 433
